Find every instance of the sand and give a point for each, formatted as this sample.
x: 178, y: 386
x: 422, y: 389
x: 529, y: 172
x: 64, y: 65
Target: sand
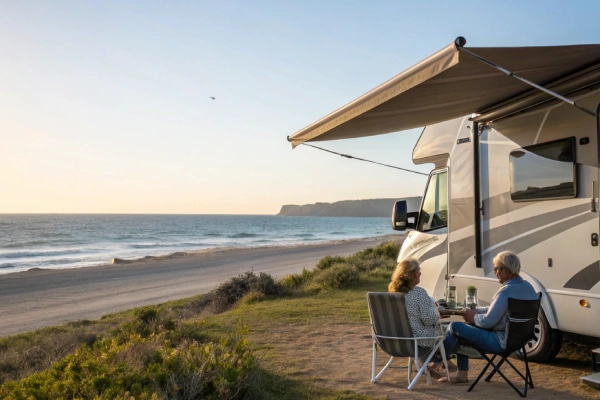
x: 38, y: 298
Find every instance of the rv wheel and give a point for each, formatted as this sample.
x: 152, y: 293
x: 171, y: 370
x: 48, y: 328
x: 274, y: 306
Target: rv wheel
x: 546, y: 342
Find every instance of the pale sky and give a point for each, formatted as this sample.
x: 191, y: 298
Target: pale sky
x: 105, y: 105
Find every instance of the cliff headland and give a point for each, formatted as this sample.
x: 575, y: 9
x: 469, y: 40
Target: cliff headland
x: 349, y: 208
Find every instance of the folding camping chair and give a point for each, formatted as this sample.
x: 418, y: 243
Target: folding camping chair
x: 523, y: 316
x: 391, y: 331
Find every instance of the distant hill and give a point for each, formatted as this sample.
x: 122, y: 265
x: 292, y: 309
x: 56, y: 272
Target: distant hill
x: 349, y: 208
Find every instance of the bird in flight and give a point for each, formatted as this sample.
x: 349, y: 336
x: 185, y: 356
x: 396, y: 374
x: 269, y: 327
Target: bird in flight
x: 212, y: 97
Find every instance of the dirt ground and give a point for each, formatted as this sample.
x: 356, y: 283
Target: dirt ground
x: 339, y: 357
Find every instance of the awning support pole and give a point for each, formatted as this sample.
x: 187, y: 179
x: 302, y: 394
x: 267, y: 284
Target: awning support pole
x: 460, y: 43
x: 477, y: 194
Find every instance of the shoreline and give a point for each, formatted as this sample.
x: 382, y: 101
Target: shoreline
x: 34, y: 299
x: 232, y: 248
x: 176, y: 254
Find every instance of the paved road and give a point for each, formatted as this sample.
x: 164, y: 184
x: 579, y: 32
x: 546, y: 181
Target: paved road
x: 34, y: 299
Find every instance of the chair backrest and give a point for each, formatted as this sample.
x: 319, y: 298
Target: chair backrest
x: 389, y: 318
x: 522, y: 317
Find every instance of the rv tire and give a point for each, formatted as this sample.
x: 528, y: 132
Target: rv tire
x: 546, y: 343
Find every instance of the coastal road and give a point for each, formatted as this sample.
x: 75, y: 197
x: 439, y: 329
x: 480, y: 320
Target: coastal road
x: 38, y: 298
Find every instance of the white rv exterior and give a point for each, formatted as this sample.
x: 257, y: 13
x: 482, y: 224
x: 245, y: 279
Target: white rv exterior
x: 552, y: 233
x: 519, y: 173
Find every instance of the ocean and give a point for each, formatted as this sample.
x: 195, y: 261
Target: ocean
x: 54, y: 241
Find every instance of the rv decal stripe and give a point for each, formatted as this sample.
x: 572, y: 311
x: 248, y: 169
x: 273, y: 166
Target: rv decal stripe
x: 436, y: 251
x: 500, y: 204
x: 585, y: 279
x: 506, y: 232
x: 462, y: 249
x: 526, y: 242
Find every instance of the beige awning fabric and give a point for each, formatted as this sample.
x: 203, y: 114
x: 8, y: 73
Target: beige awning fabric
x: 452, y: 83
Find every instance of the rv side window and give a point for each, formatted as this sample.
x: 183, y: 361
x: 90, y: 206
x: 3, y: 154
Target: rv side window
x: 434, y: 213
x: 544, y: 172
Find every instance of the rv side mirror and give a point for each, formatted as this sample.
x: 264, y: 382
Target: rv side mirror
x: 401, y: 218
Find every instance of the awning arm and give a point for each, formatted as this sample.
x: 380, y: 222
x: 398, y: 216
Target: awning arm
x: 460, y: 43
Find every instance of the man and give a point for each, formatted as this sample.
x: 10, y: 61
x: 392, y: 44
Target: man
x: 492, y: 319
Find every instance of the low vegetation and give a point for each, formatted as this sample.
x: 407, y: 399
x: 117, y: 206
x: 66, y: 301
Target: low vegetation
x: 214, y: 346
x: 173, y: 350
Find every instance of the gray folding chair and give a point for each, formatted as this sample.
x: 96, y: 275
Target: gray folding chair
x: 392, y: 333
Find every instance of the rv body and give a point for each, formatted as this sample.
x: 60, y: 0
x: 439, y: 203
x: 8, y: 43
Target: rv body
x: 521, y: 173
x: 527, y: 184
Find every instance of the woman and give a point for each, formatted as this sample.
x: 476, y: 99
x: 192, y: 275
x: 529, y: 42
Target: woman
x: 423, y: 314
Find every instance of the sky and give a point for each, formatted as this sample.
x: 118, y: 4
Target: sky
x: 105, y: 107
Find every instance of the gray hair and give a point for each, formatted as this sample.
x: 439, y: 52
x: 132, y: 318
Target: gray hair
x: 508, y: 260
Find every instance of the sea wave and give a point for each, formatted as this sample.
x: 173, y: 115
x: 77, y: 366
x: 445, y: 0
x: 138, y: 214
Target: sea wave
x: 63, y: 261
x: 6, y: 265
x: 243, y: 235
x: 166, y: 245
x: 30, y: 254
x: 57, y: 234
x: 303, y: 235
x: 151, y: 246
x: 213, y: 234
x: 25, y: 244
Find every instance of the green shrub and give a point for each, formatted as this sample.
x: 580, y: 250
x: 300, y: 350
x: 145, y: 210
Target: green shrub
x: 252, y: 297
x: 327, y: 261
x: 387, y: 250
x: 24, y: 354
x: 145, y: 368
x: 296, y: 281
x: 337, y: 276
x: 228, y: 293
x: 146, y: 314
x: 376, y: 261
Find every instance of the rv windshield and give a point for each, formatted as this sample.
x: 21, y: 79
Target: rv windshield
x: 434, y: 213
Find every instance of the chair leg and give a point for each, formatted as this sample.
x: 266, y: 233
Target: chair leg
x: 375, y: 378
x: 524, y: 392
x: 527, y: 371
x: 444, y: 360
x: 489, y: 362
x: 524, y: 377
x: 491, y: 375
x: 374, y: 362
x: 528, y: 380
x: 496, y: 368
x: 423, y: 368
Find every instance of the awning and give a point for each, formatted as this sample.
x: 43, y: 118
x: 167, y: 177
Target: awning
x: 452, y: 83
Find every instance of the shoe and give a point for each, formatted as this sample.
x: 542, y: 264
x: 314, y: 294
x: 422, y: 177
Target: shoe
x: 435, y: 374
x: 453, y: 379
x: 451, y: 366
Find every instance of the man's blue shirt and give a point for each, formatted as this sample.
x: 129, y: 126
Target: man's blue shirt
x: 495, y: 317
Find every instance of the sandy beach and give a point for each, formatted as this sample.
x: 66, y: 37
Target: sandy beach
x: 38, y: 298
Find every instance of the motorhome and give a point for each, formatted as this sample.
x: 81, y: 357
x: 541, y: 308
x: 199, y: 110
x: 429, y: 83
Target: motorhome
x: 512, y: 134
